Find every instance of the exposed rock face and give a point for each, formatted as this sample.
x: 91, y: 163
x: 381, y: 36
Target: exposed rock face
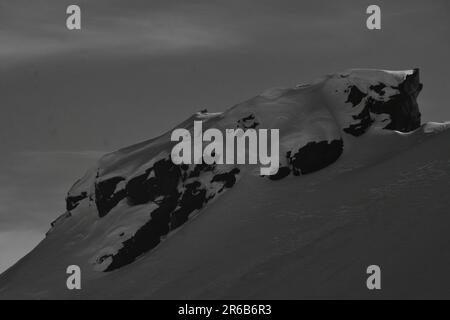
x: 106, y: 196
x: 174, y: 194
x: 401, y: 107
x: 73, y: 201
x: 148, y: 197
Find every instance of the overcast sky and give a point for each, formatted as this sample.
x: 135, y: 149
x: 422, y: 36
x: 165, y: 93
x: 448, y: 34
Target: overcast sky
x: 138, y: 68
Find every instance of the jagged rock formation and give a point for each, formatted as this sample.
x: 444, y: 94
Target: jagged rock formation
x: 134, y: 199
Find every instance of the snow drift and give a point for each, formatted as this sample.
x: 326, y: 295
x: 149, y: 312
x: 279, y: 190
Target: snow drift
x: 360, y: 182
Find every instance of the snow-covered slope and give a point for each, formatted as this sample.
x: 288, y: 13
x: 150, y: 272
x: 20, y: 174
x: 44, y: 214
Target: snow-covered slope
x: 361, y: 182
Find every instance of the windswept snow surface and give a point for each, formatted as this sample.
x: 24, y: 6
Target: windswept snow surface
x: 361, y: 182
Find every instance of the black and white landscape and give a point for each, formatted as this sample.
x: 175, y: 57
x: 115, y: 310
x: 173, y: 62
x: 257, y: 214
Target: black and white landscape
x: 87, y: 179
x: 361, y: 182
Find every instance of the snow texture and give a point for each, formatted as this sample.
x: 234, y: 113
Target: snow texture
x: 361, y: 181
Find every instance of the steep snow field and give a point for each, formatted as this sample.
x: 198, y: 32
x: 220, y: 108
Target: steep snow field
x: 362, y: 183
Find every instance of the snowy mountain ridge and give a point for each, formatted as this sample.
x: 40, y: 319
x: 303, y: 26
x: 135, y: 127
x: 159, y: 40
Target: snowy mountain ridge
x: 124, y: 209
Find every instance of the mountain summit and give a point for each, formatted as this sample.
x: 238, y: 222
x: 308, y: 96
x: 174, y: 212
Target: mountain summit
x: 361, y: 181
